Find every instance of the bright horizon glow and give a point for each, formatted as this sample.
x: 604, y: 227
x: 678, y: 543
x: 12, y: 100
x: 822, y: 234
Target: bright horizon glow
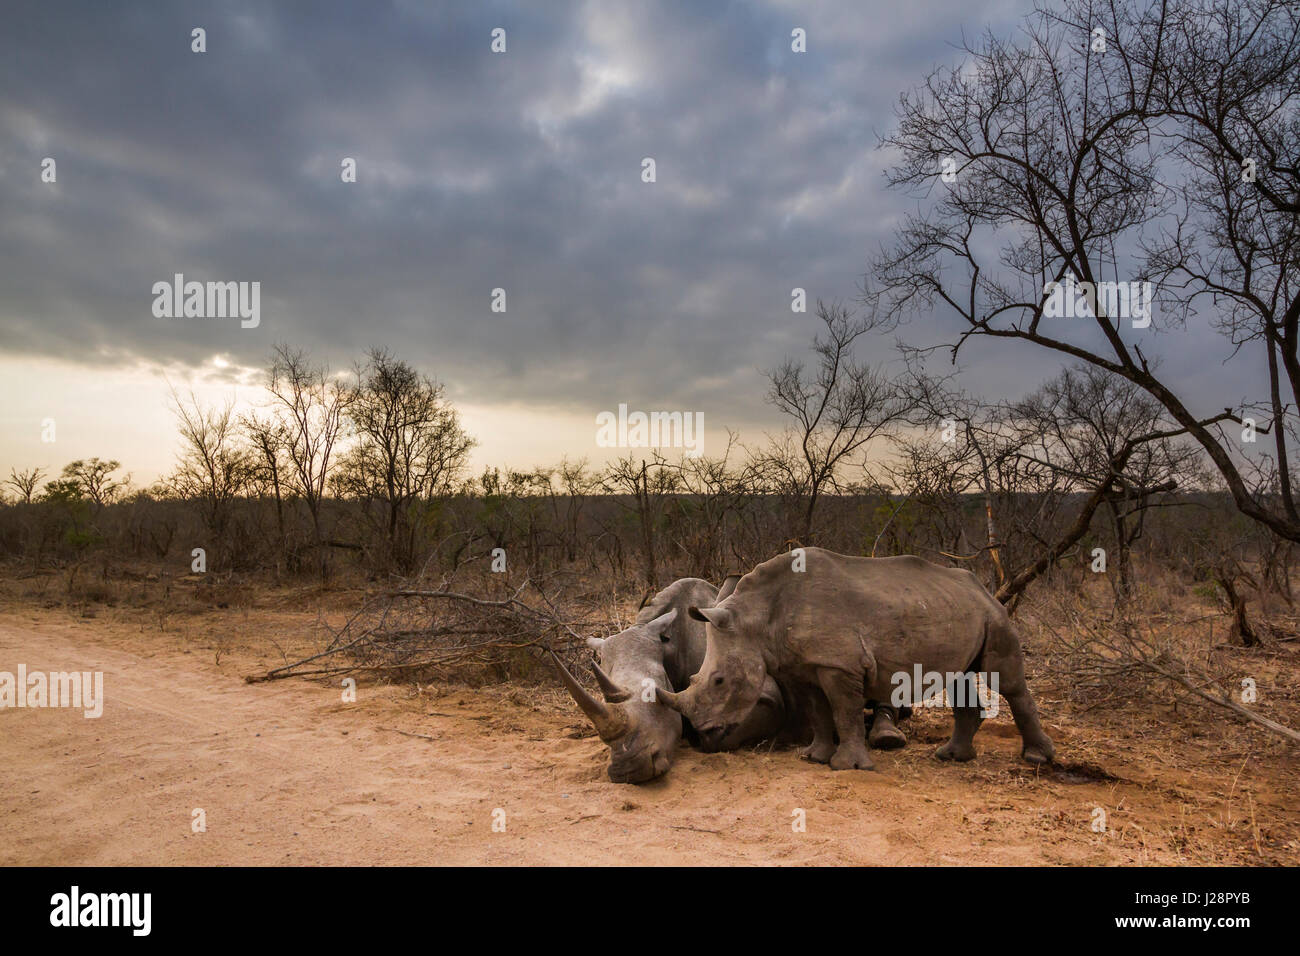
x: 124, y: 413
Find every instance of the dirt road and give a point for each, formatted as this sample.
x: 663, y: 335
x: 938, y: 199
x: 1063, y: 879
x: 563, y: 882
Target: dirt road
x: 287, y: 773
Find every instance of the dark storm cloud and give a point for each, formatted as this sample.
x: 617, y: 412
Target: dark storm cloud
x: 476, y: 171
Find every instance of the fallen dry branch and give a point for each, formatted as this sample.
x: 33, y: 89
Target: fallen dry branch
x: 1104, y: 660
x: 412, y: 632
x: 1225, y: 702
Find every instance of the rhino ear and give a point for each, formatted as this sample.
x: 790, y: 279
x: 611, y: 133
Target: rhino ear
x: 595, y: 643
x: 660, y: 624
x: 717, y: 616
x: 728, y: 585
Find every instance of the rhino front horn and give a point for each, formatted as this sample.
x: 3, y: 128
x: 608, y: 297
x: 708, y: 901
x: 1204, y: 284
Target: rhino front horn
x: 613, y: 693
x: 669, y: 699
x: 608, y: 722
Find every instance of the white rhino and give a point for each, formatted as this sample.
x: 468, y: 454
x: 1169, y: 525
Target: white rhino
x: 836, y: 632
x: 658, y: 654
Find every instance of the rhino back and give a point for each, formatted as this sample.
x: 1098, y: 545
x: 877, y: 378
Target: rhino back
x: 902, y: 610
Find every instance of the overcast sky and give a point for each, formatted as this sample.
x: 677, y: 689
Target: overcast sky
x: 520, y: 170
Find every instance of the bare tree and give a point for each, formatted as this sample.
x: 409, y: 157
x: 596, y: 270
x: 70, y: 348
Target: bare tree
x: 648, y: 484
x: 708, y: 495
x: 1102, y: 433
x: 94, y: 478
x: 311, y: 403
x: 268, y: 439
x: 568, y: 502
x: 836, y: 410
x: 1060, y: 147
x: 1044, y: 466
x: 410, y: 445
x: 212, y: 468
x: 970, y: 454
x: 25, y: 482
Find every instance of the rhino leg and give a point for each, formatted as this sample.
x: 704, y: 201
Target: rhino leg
x: 885, y: 733
x: 1038, y: 746
x: 1002, y: 656
x: 844, y: 694
x: 966, y: 720
x: 812, y: 702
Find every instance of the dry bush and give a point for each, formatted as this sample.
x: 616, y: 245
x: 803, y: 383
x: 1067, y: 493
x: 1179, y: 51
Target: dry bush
x: 449, y: 631
x: 1094, y: 659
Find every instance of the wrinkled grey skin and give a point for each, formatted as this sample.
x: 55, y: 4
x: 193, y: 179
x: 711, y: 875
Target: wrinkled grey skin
x: 684, y: 647
x: 772, y: 715
x: 641, y: 733
x: 834, y: 635
x: 659, y: 653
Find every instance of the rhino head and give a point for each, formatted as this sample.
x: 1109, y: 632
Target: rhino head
x: 731, y: 682
x: 641, y: 733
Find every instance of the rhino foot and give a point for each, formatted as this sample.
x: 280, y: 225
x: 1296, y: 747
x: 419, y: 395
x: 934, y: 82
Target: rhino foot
x: 852, y: 755
x: 954, y: 751
x: 886, y: 736
x: 1039, y: 753
x: 819, y: 751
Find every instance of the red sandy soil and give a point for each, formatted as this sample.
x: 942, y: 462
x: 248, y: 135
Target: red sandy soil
x: 287, y: 773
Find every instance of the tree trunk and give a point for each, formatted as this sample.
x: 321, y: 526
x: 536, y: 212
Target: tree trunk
x: 1240, y: 624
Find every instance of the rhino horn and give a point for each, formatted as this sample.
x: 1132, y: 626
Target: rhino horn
x: 670, y: 699
x: 613, y: 693
x: 606, y: 720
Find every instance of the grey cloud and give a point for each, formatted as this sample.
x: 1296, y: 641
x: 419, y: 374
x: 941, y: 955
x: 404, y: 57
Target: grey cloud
x: 476, y: 171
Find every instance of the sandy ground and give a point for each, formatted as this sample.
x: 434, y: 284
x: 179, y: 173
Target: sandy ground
x: 287, y: 773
